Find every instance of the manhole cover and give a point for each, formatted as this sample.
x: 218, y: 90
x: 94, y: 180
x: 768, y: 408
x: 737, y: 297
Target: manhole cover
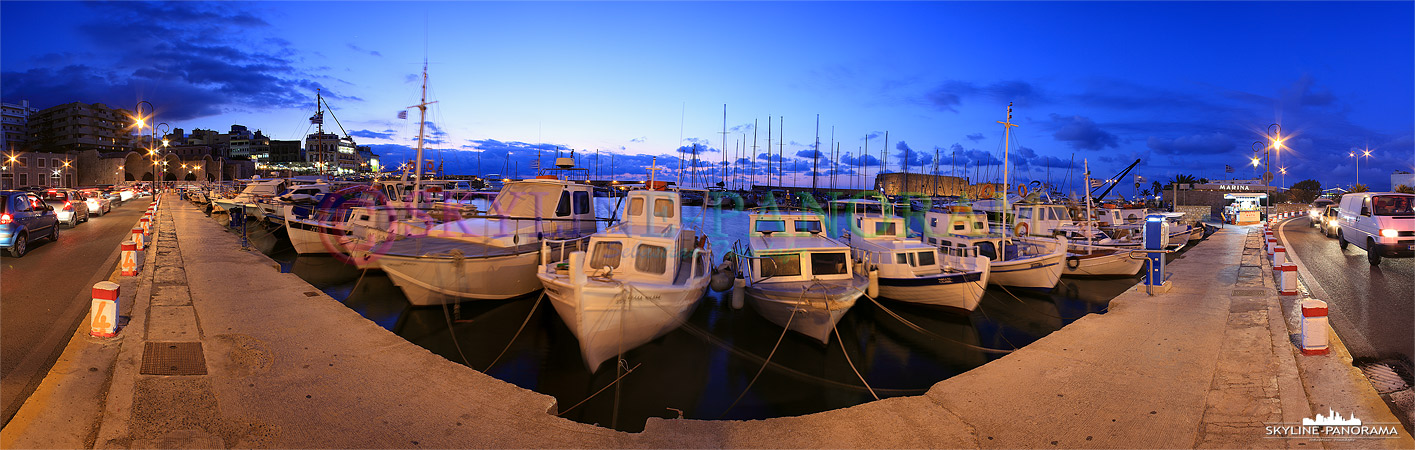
x: 173, y: 358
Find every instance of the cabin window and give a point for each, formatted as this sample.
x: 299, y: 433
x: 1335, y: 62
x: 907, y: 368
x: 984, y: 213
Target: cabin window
x: 582, y: 202
x: 933, y: 241
x: 977, y: 225
x: 828, y: 264
x: 563, y: 208
x: 899, y: 258
x: 987, y: 249
x: 770, y: 226
x: 651, y: 259
x: 808, y: 226
x: 1024, y: 213
x: 606, y: 254
x: 885, y: 228
x: 636, y: 206
x: 788, y: 265
x: 663, y: 207
x: 933, y: 222
x: 926, y: 258
x: 958, y: 226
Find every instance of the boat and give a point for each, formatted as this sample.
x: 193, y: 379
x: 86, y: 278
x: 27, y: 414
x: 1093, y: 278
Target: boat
x: 910, y: 270
x: 641, y: 278
x: 796, y: 276
x: 254, y: 191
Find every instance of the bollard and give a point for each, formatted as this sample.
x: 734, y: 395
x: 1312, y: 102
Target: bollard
x: 1272, y: 243
x: 1279, y: 256
x: 145, y: 224
x: 138, y: 238
x: 129, y: 263
x: 1314, y: 327
x: 1287, y: 279
x: 103, y: 314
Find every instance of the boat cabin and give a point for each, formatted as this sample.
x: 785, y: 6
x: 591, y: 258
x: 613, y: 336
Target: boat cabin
x: 650, y: 244
x: 791, y: 246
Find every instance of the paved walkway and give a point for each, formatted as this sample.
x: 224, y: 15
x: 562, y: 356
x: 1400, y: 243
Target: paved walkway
x: 1207, y: 365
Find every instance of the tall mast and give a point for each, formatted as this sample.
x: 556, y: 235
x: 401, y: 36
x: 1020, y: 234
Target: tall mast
x: 781, y: 153
x: 752, y: 163
x: 1006, y: 140
x: 816, y: 154
x: 422, y: 124
x: 1087, y: 185
x: 724, y: 146
x: 768, y: 153
x: 865, y: 178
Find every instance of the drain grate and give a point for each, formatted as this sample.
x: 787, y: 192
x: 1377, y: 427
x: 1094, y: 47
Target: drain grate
x: 173, y: 358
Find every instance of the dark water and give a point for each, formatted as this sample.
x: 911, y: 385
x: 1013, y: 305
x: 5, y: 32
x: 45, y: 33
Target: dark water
x: 702, y: 368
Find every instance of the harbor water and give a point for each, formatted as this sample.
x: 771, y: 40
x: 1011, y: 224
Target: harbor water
x: 721, y: 364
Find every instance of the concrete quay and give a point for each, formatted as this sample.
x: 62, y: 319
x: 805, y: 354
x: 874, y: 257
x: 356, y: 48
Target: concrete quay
x: 1210, y: 364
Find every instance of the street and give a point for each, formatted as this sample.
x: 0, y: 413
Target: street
x: 45, y: 294
x: 1370, y: 307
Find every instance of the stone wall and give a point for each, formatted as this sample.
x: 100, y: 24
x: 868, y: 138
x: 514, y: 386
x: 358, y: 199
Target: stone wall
x: 1195, y: 212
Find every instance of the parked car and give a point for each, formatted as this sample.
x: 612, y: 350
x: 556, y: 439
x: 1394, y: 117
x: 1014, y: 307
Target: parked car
x: 67, y: 203
x: 1382, y: 223
x: 97, y: 202
x: 24, y: 218
x: 1327, y: 222
x: 1318, y: 208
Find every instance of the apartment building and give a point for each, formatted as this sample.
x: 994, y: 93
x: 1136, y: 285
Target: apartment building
x: 80, y: 126
x: 14, y: 125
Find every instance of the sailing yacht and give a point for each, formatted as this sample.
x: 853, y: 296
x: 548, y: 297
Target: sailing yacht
x: 640, y: 280
x: 910, y: 270
x: 796, y: 276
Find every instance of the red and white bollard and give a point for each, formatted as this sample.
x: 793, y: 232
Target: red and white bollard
x: 1279, y: 256
x: 1287, y: 279
x: 128, y: 264
x: 145, y: 224
x: 103, y: 314
x: 1314, y: 327
x: 138, y: 238
x: 1272, y: 244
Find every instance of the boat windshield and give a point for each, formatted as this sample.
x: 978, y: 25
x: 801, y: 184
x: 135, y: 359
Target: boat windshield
x: 787, y: 265
x: 527, y: 200
x: 885, y: 228
x: 808, y: 226
x: 828, y: 264
x: 770, y: 226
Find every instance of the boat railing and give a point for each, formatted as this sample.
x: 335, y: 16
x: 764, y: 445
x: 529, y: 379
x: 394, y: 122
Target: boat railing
x: 561, y: 249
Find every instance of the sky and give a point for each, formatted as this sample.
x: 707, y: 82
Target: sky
x: 1185, y: 87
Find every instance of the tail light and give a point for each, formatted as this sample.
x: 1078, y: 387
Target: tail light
x: 6, y: 219
x: 68, y: 206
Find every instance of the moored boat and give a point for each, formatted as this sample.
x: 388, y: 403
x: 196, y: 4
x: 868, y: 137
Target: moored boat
x: 796, y: 276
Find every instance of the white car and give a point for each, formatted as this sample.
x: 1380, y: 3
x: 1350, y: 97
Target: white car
x: 1315, y: 211
x: 1382, y: 223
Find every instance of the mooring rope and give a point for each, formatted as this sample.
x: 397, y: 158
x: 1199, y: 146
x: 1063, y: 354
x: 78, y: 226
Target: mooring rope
x: 921, y: 329
x: 514, y: 336
x: 612, y: 383
x: 846, y: 352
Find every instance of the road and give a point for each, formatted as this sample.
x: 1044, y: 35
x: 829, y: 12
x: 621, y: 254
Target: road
x: 45, y: 294
x: 1370, y: 307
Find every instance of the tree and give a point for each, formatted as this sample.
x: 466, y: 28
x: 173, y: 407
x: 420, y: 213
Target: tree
x: 1405, y: 189
x: 1305, y: 191
x: 1156, y: 186
x: 1359, y: 188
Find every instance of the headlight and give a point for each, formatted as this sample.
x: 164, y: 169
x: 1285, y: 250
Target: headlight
x: 1389, y: 233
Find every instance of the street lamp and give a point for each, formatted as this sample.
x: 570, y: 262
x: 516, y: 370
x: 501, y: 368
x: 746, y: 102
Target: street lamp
x: 1277, y: 139
x: 65, y: 176
x: 1366, y: 153
x: 141, y: 120
x: 163, y: 150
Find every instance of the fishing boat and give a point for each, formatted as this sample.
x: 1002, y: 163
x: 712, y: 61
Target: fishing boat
x: 254, y: 191
x: 640, y: 279
x: 910, y: 270
x: 1029, y: 262
x: 796, y: 276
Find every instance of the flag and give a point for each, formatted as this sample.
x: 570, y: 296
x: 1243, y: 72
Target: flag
x: 403, y: 114
x: 1096, y: 183
x: 1227, y: 168
x: 317, y: 118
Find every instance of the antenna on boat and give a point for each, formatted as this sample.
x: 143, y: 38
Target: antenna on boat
x: 1006, y: 137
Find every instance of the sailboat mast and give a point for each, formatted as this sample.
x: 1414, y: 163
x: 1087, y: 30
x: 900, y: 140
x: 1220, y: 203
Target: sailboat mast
x: 422, y: 125
x: 752, y: 163
x: 816, y: 154
x: 1087, y: 163
x: 724, y: 146
x: 1006, y: 141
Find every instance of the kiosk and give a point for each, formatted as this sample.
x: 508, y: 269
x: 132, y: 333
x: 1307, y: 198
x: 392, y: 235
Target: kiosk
x: 1244, y: 208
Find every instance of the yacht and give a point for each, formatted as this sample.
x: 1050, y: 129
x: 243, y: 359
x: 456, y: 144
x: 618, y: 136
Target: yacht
x: 796, y: 276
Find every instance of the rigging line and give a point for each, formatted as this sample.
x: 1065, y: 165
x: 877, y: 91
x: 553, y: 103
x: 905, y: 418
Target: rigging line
x: 514, y: 336
x: 616, y: 381
x: 846, y: 352
x: 1019, y: 300
x: 921, y: 329
x: 447, y: 315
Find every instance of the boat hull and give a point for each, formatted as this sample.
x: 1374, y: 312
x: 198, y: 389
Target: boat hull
x: 608, y: 319
x: 961, y: 291
x: 1109, y: 263
x: 311, y: 238
x: 1041, y: 272
x: 816, y: 313
x: 432, y: 280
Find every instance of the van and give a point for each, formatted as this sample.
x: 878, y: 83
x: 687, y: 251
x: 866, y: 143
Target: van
x: 1382, y: 223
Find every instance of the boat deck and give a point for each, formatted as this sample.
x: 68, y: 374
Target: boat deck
x: 424, y: 246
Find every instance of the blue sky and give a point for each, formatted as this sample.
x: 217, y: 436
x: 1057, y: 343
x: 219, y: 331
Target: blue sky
x: 1184, y: 87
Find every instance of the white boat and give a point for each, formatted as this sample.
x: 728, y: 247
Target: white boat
x: 910, y: 270
x: 1028, y: 262
x: 641, y: 279
x: 254, y: 191
x: 491, y: 257
x: 796, y: 276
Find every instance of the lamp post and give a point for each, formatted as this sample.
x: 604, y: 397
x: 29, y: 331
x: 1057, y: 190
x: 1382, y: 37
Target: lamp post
x: 141, y: 120
x: 162, y: 151
x: 64, y: 177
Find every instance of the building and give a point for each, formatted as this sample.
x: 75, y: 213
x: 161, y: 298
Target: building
x: 285, y: 153
x: 368, y: 161
x: 1212, y: 193
x: 80, y: 126
x: 25, y: 169
x: 14, y: 119
x: 932, y: 185
x: 327, y: 152
x: 1401, y: 177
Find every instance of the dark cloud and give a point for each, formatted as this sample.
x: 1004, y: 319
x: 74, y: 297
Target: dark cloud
x: 950, y: 94
x: 171, y: 61
x: 386, y: 134
x: 854, y: 161
x: 1201, y: 144
x: 809, y: 154
x: 975, y: 137
x: 361, y: 50
x: 1082, y: 133
x: 911, y: 158
x: 1303, y: 93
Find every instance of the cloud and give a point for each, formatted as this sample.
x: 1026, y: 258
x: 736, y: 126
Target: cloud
x: 809, y: 154
x: 1202, y: 144
x: 386, y: 134
x: 1301, y: 93
x: 361, y: 50
x: 975, y: 137
x: 950, y: 94
x: 855, y: 161
x: 171, y: 61
x: 639, y: 139
x: 910, y: 158
x: 1082, y: 133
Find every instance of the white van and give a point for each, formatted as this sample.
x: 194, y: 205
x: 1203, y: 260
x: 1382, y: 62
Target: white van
x: 1383, y: 223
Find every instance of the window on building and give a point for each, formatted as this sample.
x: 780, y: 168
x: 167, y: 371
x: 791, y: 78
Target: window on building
x: 40, y: 161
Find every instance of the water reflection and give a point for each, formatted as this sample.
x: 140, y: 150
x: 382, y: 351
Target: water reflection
x: 703, y: 367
